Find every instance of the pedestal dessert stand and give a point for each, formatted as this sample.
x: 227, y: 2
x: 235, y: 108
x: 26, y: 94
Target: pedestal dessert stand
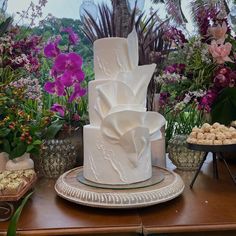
x: 163, y: 186
x: 215, y: 150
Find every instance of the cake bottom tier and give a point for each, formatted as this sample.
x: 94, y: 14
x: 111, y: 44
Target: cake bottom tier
x: 108, y: 163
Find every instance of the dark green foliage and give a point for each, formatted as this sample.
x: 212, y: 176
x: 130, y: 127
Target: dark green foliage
x: 224, y: 108
x: 4, y: 26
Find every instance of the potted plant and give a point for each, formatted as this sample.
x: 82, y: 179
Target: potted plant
x: 19, y: 133
x: 66, y: 93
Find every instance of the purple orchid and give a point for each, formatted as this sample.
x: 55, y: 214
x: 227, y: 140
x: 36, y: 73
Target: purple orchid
x: 70, y: 61
x: 208, y: 99
x: 175, y: 68
x: 78, y: 92
x: 70, y: 77
x: 55, y: 87
x: 58, y: 108
x: 67, y: 75
x: 51, y: 50
x: 73, y: 37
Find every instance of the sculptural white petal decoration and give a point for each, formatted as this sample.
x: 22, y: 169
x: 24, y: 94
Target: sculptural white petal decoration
x: 117, y: 124
x: 138, y: 80
x: 135, y: 141
x: 133, y: 48
x: 110, y: 57
x: 109, y: 95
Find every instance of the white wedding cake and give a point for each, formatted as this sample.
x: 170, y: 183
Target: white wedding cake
x: 117, y: 142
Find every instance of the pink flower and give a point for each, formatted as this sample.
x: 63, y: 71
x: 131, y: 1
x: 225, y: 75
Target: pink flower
x: 58, y: 108
x: 73, y: 37
x: 220, y: 53
x: 55, y: 87
x: 70, y: 61
x: 51, y: 49
x: 218, y: 32
x: 70, y: 77
x: 221, y: 80
x: 78, y: 92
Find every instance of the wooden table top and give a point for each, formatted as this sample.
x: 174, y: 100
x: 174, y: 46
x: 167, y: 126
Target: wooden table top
x: 209, y: 206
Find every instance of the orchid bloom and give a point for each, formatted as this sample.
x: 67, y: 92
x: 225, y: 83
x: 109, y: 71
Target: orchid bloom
x: 220, y: 53
x: 55, y: 87
x: 73, y: 37
x: 218, y: 32
x: 67, y: 61
x: 51, y: 49
x: 78, y: 92
x: 58, y: 108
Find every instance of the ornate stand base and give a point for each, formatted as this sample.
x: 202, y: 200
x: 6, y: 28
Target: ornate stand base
x: 68, y: 187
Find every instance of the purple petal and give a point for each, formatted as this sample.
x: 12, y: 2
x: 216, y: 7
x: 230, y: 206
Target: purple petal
x: 58, y: 108
x: 67, y: 79
x: 73, y: 37
x: 79, y: 74
x: 60, y: 62
x: 49, y: 87
x: 59, y: 88
x: 78, y: 92
x: 51, y: 49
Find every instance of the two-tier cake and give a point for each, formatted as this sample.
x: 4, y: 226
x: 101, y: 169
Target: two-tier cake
x: 117, y: 141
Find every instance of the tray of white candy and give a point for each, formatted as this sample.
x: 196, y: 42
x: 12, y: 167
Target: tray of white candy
x: 14, y: 184
x: 215, y: 138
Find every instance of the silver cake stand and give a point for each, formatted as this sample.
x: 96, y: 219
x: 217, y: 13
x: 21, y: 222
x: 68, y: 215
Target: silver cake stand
x: 163, y: 186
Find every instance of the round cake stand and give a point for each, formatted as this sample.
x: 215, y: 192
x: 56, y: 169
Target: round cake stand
x: 69, y: 188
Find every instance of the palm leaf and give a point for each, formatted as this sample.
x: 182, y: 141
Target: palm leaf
x: 4, y: 26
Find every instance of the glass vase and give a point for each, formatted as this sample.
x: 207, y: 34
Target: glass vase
x: 56, y: 157
x: 182, y: 157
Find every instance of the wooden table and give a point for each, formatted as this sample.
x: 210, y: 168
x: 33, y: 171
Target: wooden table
x: 210, y: 206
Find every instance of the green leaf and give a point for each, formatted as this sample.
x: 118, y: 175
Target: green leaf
x: 6, y: 146
x: 30, y: 148
x: 5, y: 25
x: 224, y: 108
x: 4, y: 132
x: 37, y: 142
x: 19, y: 150
x: 53, y: 129
x: 11, y: 231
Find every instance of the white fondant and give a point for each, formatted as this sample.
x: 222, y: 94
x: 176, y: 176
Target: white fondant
x: 94, y: 117
x: 117, y: 124
x: 132, y: 40
x: 110, y: 57
x: 111, y: 164
x: 117, y: 143
x: 138, y: 80
x: 135, y: 141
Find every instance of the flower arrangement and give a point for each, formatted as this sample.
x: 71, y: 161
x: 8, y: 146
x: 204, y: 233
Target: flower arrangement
x: 204, y: 79
x: 67, y: 81
x: 19, y: 132
x: 21, y: 116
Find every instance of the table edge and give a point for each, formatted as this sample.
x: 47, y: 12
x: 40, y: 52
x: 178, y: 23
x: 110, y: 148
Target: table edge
x: 76, y: 231
x: 185, y: 228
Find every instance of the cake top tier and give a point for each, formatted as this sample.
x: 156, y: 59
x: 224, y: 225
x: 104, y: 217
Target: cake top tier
x: 115, y: 55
